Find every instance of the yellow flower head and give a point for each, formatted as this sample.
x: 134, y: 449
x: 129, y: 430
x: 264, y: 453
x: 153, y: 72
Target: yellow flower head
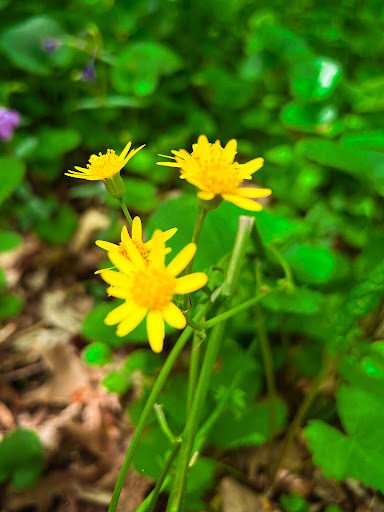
x: 212, y: 169
x: 137, y: 238
x: 102, y: 167
x: 148, y: 289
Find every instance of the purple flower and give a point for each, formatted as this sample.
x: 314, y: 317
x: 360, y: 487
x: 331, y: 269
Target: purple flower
x: 50, y: 45
x: 9, y: 120
x: 89, y: 72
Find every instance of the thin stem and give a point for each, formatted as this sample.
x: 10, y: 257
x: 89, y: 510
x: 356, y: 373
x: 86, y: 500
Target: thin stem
x: 125, y: 211
x: 268, y: 366
x: 150, y: 501
x: 327, y: 367
x: 200, y: 326
x: 164, y: 424
x: 160, y: 381
x: 193, y: 370
x: 176, y: 497
x: 201, y: 215
x: 258, y: 242
x: 283, y: 262
x: 212, y: 350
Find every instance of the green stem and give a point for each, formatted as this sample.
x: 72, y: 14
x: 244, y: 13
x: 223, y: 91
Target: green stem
x: 160, y: 381
x: 200, y: 326
x: 201, y: 215
x: 283, y: 262
x: 212, y: 350
x: 150, y: 501
x: 268, y: 366
x: 125, y: 211
x: 175, y: 499
x: 303, y: 409
x: 193, y: 370
x: 258, y: 241
x: 164, y: 424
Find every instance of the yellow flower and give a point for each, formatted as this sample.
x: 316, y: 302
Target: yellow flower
x: 212, y: 169
x: 101, y: 166
x: 137, y: 238
x: 148, y: 289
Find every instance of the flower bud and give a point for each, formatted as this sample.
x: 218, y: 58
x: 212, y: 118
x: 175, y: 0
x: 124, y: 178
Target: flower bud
x: 115, y: 186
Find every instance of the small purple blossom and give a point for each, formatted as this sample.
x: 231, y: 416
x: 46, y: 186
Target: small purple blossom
x: 9, y: 120
x: 89, y: 72
x: 51, y: 45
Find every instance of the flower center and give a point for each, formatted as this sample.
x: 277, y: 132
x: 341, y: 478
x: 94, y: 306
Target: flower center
x: 140, y: 245
x: 218, y: 176
x: 104, y: 166
x: 152, y: 288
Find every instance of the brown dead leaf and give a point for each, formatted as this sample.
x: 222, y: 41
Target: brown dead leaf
x: 90, y: 222
x: 238, y: 498
x: 59, y: 311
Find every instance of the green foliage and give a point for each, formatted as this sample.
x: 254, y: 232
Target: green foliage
x: 11, y: 173
x: 21, y: 458
x: 294, y: 503
x: 59, y: 227
x: 9, y: 240
x: 10, y: 305
x: 97, y: 354
x: 117, y: 382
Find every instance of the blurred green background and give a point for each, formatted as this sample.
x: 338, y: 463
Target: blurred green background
x: 300, y: 83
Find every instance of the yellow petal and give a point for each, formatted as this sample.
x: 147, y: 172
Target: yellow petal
x: 118, y: 314
x: 114, y: 278
x: 253, y: 192
x: 157, y: 254
x: 252, y: 166
x: 81, y: 169
x: 169, y: 234
x: 174, y: 317
x: 229, y: 152
x: 118, y: 292
x: 207, y: 196
x: 121, y: 262
x: 137, y: 230
x: 181, y: 260
x: 155, y: 330
x: 204, y: 146
x: 125, y: 150
x: 243, y: 202
x: 131, y: 249
x: 133, y: 153
x: 136, y: 315
x: 191, y: 283
x: 107, y: 246
x: 168, y: 164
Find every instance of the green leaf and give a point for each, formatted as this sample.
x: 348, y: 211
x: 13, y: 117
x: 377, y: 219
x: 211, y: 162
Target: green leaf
x: 10, y: 305
x: 144, y: 360
x: 9, y: 240
x: 97, y: 354
x: 55, y: 142
x: 58, y: 228
x: 366, y: 166
x: 21, y: 458
x: 23, y: 42
x: 343, y: 457
x: 309, y: 118
x: 370, y: 95
x: 314, y: 79
x: 117, y: 382
x: 141, y: 195
x: 252, y: 428
x: 298, y: 300
x: 108, y: 102
x: 95, y: 329
x: 372, y: 141
x: 294, y: 503
x: 151, y: 452
x: 311, y: 265
x: 140, y: 66
x: 11, y: 173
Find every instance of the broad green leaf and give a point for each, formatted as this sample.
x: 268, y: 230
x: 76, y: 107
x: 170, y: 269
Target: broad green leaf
x: 10, y: 305
x: 294, y: 503
x: 140, y: 66
x: 97, y: 354
x: 309, y: 118
x: 371, y: 141
x: 140, y: 196
x: 370, y: 95
x: 117, y: 381
x: 151, y: 452
x: 311, y: 265
x: 55, y: 142
x: 144, y: 360
x: 11, y: 173
x: 252, y: 428
x: 23, y: 44
x: 366, y: 166
x: 9, y: 240
x: 342, y: 457
x: 314, y: 79
x: 21, y: 458
x: 59, y: 227
x: 299, y: 300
